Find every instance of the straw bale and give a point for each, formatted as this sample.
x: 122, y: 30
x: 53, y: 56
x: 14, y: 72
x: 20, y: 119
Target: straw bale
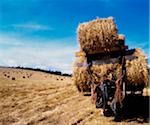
x: 137, y: 72
x: 97, y: 35
x: 136, y: 68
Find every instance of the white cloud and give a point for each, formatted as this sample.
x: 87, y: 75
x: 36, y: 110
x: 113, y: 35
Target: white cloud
x: 44, y: 55
x: 32, y: 26
x: 11, y: 41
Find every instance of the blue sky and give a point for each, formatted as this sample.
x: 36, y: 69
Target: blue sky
x: 42, y: 33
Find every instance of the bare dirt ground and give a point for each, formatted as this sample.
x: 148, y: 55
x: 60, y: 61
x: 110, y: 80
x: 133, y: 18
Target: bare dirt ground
x: 36, y: 98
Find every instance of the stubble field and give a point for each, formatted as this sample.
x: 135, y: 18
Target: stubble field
x: 36, y: 98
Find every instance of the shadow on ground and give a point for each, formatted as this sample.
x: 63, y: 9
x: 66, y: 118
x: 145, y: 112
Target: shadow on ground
x: 136, y: 107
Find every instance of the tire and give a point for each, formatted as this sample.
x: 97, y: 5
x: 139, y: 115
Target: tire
x: 118, y: 113
x: 108, y: 112
x: 99, y: 103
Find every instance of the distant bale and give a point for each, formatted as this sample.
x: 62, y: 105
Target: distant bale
x: 98, y: 35
x: 13, y: 78
x: 136, y: 75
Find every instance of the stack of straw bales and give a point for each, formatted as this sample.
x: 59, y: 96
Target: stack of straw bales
x: 100, y: 35
x: 97, y: 35
x: 136, y: 67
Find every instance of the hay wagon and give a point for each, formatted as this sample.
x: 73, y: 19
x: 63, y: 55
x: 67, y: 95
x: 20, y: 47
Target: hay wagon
x: 105, y: 67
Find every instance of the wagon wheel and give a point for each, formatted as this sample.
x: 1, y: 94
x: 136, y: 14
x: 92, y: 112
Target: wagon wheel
x: 118, y: 112
x: 99, y: 103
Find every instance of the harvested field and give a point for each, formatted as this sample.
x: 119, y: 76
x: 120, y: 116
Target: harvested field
x: 45, y: 99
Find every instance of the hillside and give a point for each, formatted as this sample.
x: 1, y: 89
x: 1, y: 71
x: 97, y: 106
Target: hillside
x: 36, y: 98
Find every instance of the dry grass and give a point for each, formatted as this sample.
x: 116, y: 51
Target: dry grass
x: 45, y: 101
